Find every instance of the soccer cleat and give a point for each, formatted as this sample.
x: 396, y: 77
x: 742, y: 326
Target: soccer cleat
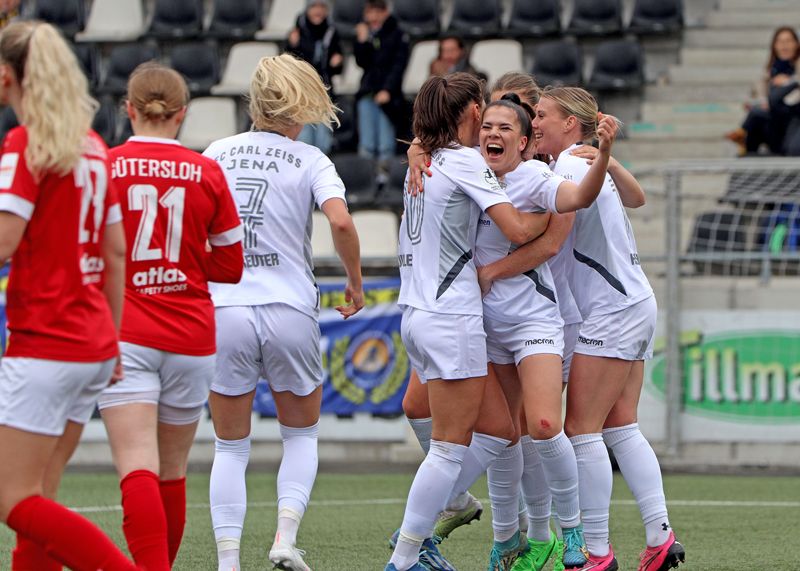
x: 601, y: 563
x: 575, y: 554
x: 504, y: 554
x: 287, y: 557
x: 449, y: 520
x: 431, y: 557
x: 558, y: 558
x: 539, y: 552
x: 666, y: 556
x: 416, y: 567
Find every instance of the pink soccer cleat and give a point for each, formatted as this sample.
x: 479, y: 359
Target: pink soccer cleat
x: 666, y: 556
x: 600, y: 562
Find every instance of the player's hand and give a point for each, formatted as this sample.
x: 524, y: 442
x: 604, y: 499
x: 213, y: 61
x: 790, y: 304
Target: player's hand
x: 419, y: 163
x: 606, y: 132
x: 484, y: 281
x: 355, y: 301
x: 587, y: 152
x: 117, y: 375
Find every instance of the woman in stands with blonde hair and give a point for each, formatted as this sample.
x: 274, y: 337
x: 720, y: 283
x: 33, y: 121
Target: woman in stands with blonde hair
x: 168, y: 346
x: 61, y: 226
x: 267, y: 325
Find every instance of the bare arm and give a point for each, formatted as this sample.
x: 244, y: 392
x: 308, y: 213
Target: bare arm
x: 114, y: 258
x: 630, y: 191
x: 519, y: 227
x: 12, y: 228
x: 345, y: 240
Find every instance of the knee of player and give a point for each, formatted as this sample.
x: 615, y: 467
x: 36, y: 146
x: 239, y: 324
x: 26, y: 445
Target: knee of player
x: 544, y: 427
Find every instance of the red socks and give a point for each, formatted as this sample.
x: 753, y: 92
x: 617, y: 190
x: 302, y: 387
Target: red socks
x: 66, y: 536
x: 173, y: 496
x: 144, y: 522
x: 29, y: 556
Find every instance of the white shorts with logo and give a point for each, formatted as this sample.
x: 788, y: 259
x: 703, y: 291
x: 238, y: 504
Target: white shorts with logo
x: 40, y: 396
x: 626, y: 334
x: 571, y: 331
x: 508, y: 343
x: 178, y: 383
x: 274, y: 341
x: 444, y: 346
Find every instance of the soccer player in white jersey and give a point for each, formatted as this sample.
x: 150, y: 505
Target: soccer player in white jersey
x: 267, y: 324
x: 442, y: 313
x: 619, y: 314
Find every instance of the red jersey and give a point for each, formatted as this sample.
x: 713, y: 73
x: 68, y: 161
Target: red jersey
x: 175, y: 202
x: 55, y: 303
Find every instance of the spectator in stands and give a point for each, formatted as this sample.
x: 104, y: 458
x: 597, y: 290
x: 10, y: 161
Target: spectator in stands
x: 784, y: 101
x: 760, y: 127
x: 453, y: 56
x: 315, y: 39
x: 9, y: 9
x: 381, y: 50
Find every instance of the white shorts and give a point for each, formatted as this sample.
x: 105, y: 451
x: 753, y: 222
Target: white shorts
x: 179, y: 384
x: 570, y: 338
x: 40, y: 396
x: 444, y: 346
x: 626, y: 334
x: 508, y: 343
x: 274, y: 341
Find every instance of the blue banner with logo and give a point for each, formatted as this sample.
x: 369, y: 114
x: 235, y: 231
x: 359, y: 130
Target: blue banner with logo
x: 365, y: 365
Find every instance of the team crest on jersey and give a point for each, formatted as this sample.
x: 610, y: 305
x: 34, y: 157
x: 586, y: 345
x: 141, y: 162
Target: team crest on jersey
x: 491, y: 180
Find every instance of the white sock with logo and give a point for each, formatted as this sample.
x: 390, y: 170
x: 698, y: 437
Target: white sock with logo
x: 642, y: 472
x: 561, y: 469
x: 595, y: 481
x: 296, y: 477
x: 228, y: 497
x: 503, y: 477
x: 481, y: 452
x: 536, y: 491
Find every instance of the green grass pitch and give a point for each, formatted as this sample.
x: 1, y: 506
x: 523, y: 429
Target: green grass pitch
x: 725, y: 522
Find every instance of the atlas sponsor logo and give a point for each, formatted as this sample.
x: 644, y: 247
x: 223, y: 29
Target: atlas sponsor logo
x: 92, y: 269
x: 592, y: 342
x: 158, y: 276
x: 531, y: 342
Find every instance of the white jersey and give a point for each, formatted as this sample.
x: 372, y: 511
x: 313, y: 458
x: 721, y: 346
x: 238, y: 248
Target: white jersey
x: 275, y: 182
x: 437, y: 236
x: 560, y: 267
x: 605, y: 275
x: 531, y: 187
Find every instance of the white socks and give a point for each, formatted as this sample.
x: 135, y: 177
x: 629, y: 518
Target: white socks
x: 427, y: 497
x: 504, y: 475
x: 535, y: 491
x: 561, y: 469
x: 481, y: 452
x: 595, y: 482
x: 642, y: 473
x: 296, y: 478
x: 423, y: 428
x: 228, y: 496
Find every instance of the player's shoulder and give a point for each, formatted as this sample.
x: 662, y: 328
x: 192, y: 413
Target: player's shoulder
x: 569, y: 166
x: 16, y: 138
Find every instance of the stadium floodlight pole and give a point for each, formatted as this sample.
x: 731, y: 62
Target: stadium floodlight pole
x: 674, y: 366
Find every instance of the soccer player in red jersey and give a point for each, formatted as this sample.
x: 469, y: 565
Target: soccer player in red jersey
x: 174, y: 202
x: 60, y: 223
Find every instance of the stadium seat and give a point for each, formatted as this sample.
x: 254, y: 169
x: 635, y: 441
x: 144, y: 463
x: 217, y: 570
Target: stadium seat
x: 208, y: 119
x: 345, y: 136
x: 113, y: 21
x: 198, y: 63
x: 476, y: 18
x: 105, y: 121
x: 618, y: 65
x: 346, y: 14
x: 558, y: 63
x: 419, y: 63
x: 321, y: 239
x: 721, y: 232
x: 88, y: 59
x: 176, y: 19
x: 358, y: 175
x: 8, y: 120
x: 656, y: 17
x: 68, y: 15
x: 596, y: 17
x: 391, y: 195
x: 348, y: 82
x: 121, y: 62
x: 377, y: 232
x: 124, y: 130
x: 419, y: 18
x: 280, y: 20
x: 496, y: 57
x: 235, y: 19
x: 538, y: 18
x: 242, y: 60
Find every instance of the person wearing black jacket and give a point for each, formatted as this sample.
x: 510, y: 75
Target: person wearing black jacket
x: 381, y: 50
x: 315, y: 39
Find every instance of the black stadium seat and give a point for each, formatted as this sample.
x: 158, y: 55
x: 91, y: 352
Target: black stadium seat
x: 88, y: 59
x: 534, y: 18
x: 121, y: 62
x: 476, y: 18
x: 175, y: 19
x: 346, y: 14
x: 198, y: 63
x: 656, y: 17
x: 105, y: 121
x: 596, y: 17
x: 125, y: 130
x: 391, y: 196
x: 68, y: 15
x: 345, y: 136
x: 720, y: 232
x: 8, y: 120
x: 235, y: 19
x: 558, y: 63
x: 358, y: 176
x: 419, y: 18
x: 618, y: 65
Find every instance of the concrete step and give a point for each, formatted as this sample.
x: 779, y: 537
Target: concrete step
x: 704, y: 75
x: 697, y: 93
x: 752, y: 19
x: 715, y: 38
x: 719, y: 112
x: 667, y: 149
x: 695, y: 187
x: 717, y: 56
x: 683, y: 131
x: 757, y: 5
